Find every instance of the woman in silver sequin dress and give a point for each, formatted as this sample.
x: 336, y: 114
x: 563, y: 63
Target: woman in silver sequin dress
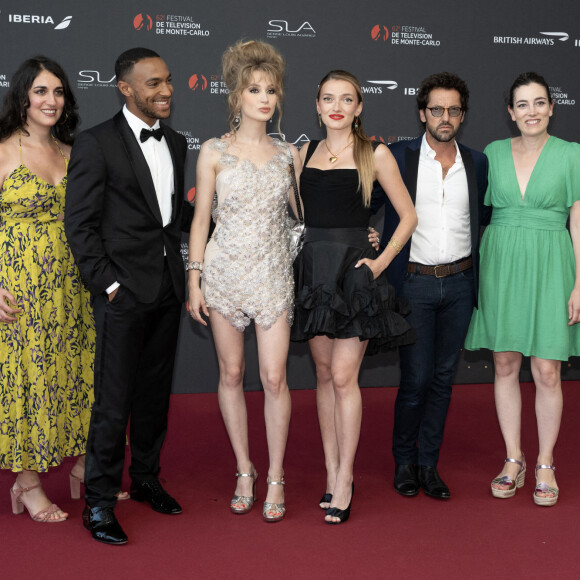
x: 246, y: 268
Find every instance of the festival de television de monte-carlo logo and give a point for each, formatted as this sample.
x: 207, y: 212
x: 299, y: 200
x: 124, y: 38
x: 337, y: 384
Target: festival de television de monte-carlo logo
x: 403, y: 35
x: 199, y: 83
x: 169, y: 24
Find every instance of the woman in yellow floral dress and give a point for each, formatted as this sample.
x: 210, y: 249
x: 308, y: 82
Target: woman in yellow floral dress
x: 47, y: 335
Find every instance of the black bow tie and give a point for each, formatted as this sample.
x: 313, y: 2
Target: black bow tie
x: 146, y: 133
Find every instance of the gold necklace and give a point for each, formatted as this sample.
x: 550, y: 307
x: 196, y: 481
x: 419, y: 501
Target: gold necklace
x: 334, y: 156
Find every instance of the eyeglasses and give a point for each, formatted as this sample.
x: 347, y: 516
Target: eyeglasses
x: 438, y: 111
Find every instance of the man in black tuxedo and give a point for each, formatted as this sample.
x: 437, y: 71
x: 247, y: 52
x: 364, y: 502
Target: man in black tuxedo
x: 124, y: 216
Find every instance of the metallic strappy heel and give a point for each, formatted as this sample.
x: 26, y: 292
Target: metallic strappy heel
x: 274, y: 512
x: 242, y: 504
x: 507, y: 480
x: 545, y: 488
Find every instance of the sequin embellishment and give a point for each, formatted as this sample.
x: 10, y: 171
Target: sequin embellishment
x: 247, y: 267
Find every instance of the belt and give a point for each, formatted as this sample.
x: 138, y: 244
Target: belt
x: 442, y: 270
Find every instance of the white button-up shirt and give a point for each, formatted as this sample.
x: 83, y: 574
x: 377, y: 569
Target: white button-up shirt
x: 443, y: 233
x: 158, y: 159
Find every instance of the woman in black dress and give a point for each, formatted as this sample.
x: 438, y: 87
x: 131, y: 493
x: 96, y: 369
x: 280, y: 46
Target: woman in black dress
x: 343, y: 301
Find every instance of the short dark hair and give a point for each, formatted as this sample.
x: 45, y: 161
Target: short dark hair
x: 16, y: 102
x: 443, y: 80
x: 528, y: 78
x: 126, y: 61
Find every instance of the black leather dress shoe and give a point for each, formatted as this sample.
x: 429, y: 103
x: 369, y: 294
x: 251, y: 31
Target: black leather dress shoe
x: 159, y: 499
x: 432, y: 484
x: 406, y: 482
x: 103, y: 525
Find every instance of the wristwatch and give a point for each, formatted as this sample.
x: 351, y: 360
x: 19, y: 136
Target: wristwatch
x: 194, y: 266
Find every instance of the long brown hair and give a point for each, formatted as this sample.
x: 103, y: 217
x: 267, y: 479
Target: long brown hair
x: 362, y: 149
x: 14, y: 114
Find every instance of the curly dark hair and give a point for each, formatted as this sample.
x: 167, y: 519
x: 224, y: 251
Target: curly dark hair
x: 443, y: 80
x: 16, y: 102
x: 524, y: 79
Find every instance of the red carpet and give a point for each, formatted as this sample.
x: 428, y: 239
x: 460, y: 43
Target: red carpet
x: 388, y: 536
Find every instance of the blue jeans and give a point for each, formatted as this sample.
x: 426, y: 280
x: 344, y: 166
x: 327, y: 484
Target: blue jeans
x: 441, y: 311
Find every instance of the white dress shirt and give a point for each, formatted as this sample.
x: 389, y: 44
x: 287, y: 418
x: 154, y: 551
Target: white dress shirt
x: 443, y: 233
x: 160, y: 164
x: 158, y: 158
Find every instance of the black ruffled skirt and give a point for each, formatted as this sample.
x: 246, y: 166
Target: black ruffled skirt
x: 335, y: 299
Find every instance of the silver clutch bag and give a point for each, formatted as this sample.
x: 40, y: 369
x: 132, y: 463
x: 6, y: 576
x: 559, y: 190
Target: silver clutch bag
x: 297, y: 230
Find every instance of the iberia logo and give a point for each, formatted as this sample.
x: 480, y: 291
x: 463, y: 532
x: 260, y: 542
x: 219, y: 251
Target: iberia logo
x: 143, y: 22
x: 380, y: 32
x: 197, y: 82
x: 191, y: 195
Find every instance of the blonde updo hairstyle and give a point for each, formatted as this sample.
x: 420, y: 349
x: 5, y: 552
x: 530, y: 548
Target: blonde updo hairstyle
x: 240, y: 61
x: 362, y: 149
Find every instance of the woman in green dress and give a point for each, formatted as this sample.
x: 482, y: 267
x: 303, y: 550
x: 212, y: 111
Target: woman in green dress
x: 529, y: 297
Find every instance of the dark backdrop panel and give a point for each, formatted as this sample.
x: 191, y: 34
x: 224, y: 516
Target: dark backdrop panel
x: 390, y: 46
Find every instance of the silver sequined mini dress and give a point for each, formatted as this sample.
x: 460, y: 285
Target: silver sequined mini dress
x: 247, y: 271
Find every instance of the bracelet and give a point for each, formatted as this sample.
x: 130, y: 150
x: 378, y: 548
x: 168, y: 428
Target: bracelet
x: 194, y: 266
x: 395, y: 244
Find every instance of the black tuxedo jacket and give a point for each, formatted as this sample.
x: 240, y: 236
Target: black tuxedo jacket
x: 112, y: 217
x: 407, y: 154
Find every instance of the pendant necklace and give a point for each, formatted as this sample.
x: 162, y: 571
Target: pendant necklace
x: 334, y: 156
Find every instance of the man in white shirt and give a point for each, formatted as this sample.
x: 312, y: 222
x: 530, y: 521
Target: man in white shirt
x: 124, y: 216
x: 436, y: 272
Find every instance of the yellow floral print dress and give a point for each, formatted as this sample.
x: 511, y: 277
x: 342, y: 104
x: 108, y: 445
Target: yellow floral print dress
x: 47, y: 355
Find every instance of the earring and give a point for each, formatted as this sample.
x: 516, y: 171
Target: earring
x: 319, y: 120
x: 236, y: 122
x: 356, y: 123
x: 63, y: 122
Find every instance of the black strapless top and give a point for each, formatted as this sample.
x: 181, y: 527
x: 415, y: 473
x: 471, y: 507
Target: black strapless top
x: 331, y: 197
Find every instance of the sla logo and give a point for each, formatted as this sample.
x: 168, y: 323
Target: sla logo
x: 298, y: 142
x: 377, y: 138
x: 197, y: 82
x: 92, y: 78
x: 380, y: 32
x: 279, y: 28
x: 33, y: 19
x: 143, y: 22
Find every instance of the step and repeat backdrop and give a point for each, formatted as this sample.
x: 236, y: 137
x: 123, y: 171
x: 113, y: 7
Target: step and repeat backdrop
x: 389, y: 45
